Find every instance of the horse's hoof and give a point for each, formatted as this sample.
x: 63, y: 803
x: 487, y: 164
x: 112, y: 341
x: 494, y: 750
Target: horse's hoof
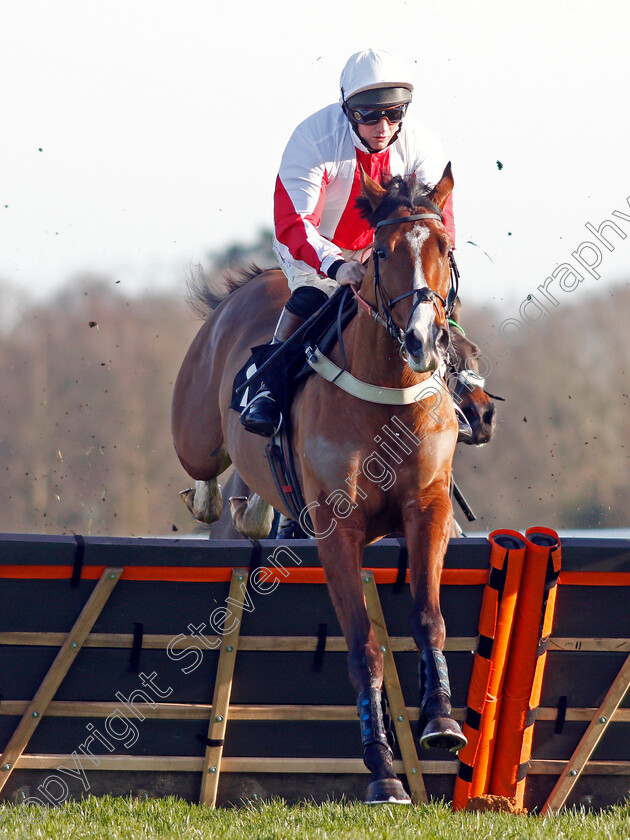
x: 237, y: 502
x: 204, y: 500
x: 187, y: 497
x: 443, y: 733
x: 387, y: 792
x: 252, y: 517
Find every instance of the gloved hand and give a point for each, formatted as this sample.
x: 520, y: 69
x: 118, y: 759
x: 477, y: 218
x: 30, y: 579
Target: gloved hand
x: 351, y: 273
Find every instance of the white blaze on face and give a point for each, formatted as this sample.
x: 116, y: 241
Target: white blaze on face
x: 423, y: 315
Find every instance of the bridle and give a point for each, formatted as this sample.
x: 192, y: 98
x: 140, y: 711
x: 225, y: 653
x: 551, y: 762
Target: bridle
x: 423, y: 295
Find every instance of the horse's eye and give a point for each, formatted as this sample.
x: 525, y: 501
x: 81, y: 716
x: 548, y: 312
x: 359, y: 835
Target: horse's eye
x: 380, y: 253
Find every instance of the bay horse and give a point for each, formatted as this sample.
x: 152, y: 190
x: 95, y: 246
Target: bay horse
x: 398, y: 340
x: 248, y: 515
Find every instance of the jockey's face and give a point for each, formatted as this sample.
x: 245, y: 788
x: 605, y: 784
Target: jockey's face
x: 377, y: 136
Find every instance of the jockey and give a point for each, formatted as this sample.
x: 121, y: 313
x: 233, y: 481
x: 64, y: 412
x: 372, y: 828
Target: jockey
x: 321, y: 239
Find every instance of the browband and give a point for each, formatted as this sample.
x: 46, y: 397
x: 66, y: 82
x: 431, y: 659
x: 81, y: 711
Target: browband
x: 401, y: 219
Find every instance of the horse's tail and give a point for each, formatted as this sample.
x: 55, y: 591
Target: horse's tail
x: 206, y: 293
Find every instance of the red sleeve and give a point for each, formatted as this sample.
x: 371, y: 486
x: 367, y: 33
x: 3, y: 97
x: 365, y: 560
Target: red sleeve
x: 298, y: 232
x: 449, y: 218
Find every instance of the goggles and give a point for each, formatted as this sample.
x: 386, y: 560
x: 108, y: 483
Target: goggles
x: 371, y: 116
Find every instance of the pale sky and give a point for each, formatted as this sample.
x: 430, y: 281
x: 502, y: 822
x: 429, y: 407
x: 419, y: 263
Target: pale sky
x: 138, y: 136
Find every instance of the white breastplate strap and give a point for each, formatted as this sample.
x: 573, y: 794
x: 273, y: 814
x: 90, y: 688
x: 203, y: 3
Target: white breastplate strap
x: 372, y: 393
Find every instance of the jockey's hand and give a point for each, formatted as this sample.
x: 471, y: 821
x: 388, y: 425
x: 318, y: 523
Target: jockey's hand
x: 351, y: 273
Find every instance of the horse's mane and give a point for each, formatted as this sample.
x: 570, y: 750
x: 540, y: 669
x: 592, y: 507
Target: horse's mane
x: 401, y: 192
x: 206, y: 293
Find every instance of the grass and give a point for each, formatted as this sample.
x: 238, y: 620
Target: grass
x: 111, y: 818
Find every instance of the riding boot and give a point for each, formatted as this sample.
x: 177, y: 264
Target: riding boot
x: 262, y: 414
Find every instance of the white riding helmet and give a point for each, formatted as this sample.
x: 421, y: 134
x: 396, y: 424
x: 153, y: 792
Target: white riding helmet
x: 375, y: 77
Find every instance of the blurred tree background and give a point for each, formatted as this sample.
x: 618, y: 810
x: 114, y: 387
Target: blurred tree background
x: 86, y: 382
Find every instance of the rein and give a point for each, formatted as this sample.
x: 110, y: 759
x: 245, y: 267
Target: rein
x: 424, y: 295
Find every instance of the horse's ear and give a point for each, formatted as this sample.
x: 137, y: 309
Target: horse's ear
x: 371, y: 190
x: 443, y: 188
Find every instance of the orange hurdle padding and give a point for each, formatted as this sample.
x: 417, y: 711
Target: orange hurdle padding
x: 526, y: 664
x: 214, y: 574
x: 496, y: 621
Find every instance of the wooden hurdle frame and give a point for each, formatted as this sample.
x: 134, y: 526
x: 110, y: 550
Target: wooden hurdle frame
x: 221, y: 711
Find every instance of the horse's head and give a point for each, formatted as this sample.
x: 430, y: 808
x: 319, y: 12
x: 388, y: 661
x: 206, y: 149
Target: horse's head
x: 468, y: 388
x: 411, y: 268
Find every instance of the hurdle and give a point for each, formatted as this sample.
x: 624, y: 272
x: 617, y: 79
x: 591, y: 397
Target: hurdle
x: 132, y: 694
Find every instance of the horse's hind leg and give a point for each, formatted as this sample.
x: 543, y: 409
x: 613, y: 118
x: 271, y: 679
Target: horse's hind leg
x: 252, y: 516
x: 340, y: 555
x: 204, y: 458
x: 204, y: 500
x: 198, y: 435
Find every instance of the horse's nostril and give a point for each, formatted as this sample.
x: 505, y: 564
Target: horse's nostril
x: 413, y: 343
x: 471, y: 416
x: 488, y: 415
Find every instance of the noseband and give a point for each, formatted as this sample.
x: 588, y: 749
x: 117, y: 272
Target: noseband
x: 424, y: 295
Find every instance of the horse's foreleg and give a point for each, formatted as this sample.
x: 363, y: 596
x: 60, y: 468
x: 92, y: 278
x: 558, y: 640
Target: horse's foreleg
x: 204, y: 500
x: 427, y: 532
x: 340, y: 555
x: 251, y: 516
